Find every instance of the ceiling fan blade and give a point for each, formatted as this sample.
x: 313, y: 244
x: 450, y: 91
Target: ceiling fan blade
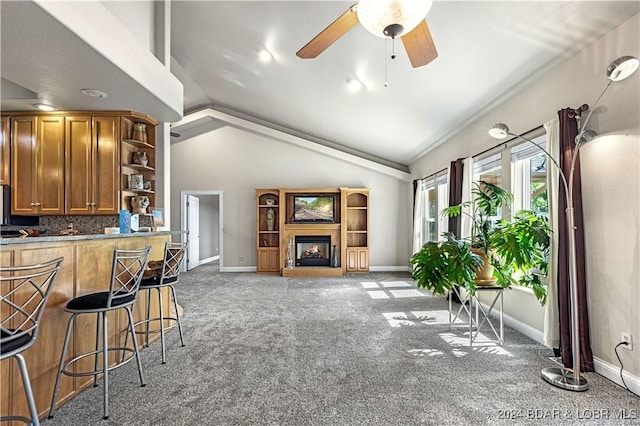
x: 329, y: 35
x: 419, y: 45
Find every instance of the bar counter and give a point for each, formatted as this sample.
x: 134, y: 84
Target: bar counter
x: 86, y: 269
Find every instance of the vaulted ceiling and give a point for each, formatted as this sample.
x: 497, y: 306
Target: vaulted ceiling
x: 487, y: 51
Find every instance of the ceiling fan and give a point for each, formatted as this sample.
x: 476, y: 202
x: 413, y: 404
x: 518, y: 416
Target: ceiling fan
x: 383, y: 18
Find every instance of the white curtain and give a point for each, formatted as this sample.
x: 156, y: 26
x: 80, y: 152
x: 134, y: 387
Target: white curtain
x: 551, y: 315
x: 467, y: 182
x: 418, y: 213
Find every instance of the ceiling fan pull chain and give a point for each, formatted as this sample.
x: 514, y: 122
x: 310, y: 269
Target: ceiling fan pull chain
x: 386, y: 60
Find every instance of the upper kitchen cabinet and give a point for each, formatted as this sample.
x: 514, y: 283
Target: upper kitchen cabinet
x: 37, y: 165
x: 92, y: 165
x: 5, y: 151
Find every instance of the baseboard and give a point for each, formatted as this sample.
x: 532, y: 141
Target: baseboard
x: 238, y: 269
x: 527, y: 330
x: 209, y: 259
x: 603, y: 368
x: 389, y: 269
x: 612, y: 373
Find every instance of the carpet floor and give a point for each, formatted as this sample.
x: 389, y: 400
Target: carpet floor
x: 358, y: 350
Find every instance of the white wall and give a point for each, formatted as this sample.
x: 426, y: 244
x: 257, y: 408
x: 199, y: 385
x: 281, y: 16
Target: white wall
x: 610, y: 174
x: 137, y: 16
x: 237, y: 161
x: 209, y: 219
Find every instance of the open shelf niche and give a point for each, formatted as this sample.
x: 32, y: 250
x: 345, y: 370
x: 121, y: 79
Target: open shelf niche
x: 268, y: 230
x: 135, y: 143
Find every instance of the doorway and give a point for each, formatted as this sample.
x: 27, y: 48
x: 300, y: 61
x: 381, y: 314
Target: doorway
x: 201, y: 217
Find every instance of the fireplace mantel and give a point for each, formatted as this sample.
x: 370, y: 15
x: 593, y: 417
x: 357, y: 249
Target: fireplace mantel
x: 348, y: 232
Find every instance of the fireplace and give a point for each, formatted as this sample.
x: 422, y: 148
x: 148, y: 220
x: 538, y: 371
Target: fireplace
x: 313, y: 250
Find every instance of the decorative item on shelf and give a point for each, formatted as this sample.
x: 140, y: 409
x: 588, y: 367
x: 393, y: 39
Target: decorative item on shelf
x: 158, y: 217
x: 124, y: 221
x: 270, y: 202
x: 335, y: 261
x: 147, y: 186
x: 139, y: 204
x: 136, y: 181
x: 271, y: 219
x: 140, y: 132
x: 264, y: 242
x: 135, y: 222
x: 289, y: 263
x: 139, y: 158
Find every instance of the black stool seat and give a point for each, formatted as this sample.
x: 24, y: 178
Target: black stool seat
x: 97, y: 301
x: 157, y: 281
x: 10, y: 344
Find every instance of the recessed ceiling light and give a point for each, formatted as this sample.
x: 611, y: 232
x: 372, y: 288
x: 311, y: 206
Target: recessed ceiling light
x: 265, y: 55
x: 354, y: 85
x: 94, y: 93
x: 44, y: 107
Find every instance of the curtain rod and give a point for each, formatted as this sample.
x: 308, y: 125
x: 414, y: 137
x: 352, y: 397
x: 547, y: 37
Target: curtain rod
x: 432, y: 174
x: 507, y: 141
x: 577, y: 111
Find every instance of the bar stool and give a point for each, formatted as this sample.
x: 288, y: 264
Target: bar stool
x: 171, y: 265
x: 25, y: 291
x: 126, y: 272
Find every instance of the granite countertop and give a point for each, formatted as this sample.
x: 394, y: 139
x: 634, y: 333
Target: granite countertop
x: 44, y: 238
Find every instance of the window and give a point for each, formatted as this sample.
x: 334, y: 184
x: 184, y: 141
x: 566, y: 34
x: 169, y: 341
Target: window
x: 435, y: 195
x: 489, y: 169
x: 529, y: 177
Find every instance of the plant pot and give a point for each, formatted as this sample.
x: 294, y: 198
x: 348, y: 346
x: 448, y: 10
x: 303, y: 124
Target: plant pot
x: 484, y: 274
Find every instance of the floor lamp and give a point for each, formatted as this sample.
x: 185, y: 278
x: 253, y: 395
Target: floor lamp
x: 564, y: 378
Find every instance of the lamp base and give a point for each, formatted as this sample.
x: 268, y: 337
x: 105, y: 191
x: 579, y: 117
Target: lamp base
x: 563, y: 378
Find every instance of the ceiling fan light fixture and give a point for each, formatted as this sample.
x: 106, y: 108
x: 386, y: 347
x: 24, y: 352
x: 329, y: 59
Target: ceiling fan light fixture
x: 384, y: 18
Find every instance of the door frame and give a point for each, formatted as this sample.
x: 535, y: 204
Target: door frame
x: 183, y: 216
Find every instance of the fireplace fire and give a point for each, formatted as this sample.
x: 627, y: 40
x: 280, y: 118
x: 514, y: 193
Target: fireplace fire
x: 313, y: 250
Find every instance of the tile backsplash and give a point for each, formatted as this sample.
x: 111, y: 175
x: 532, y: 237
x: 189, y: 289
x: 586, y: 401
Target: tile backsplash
x: 84, y: 224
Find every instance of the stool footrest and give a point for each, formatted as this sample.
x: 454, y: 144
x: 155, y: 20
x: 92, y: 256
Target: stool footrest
x: 96, y: 353
x: 156, y: 330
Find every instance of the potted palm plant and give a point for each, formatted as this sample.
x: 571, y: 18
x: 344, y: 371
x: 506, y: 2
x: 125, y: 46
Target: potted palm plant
x: 514, y: 252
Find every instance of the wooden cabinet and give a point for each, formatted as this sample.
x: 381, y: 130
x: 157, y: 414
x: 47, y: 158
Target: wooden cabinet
x: 356, y: 231
x: 37, y: 165
x: 268, y: 230
x: 357, y: 260
x: 138, y: 136
x: 5, y: 151
x: 76, y: 163
x: 92, y: 165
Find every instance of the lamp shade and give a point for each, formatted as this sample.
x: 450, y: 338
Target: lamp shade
x: 378, y: 15
x: 622, y: 68
x: 499, y: 131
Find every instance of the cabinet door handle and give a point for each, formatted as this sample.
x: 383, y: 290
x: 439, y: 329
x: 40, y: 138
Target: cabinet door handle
x: 88, y: 204
x: 93, y: 204
x: 38, y: 204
